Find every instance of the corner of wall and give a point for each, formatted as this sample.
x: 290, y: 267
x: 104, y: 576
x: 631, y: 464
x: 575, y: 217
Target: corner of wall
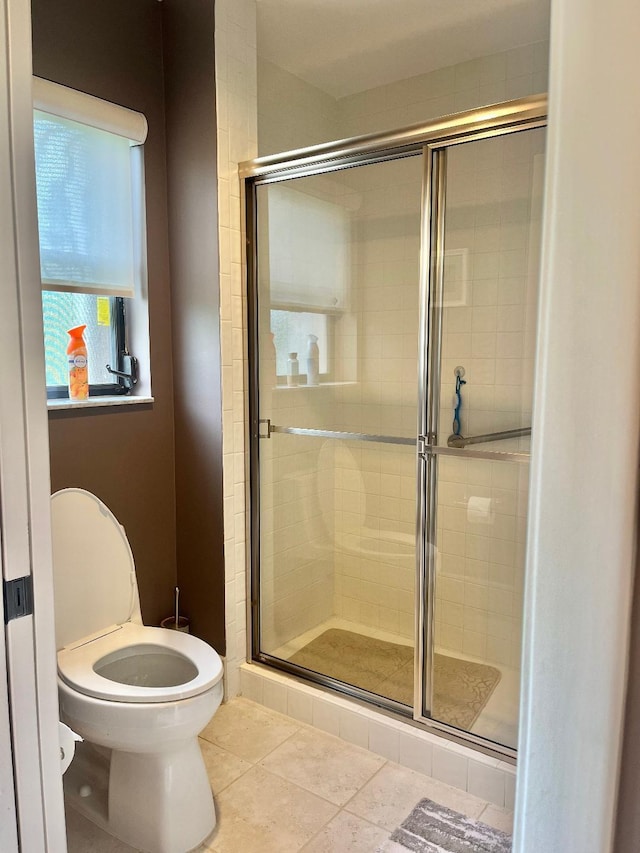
x: 236, y: 92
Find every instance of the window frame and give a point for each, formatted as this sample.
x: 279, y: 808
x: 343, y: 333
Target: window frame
x: 119, y: 347
x: 71, y: 105
x: 331, y: 317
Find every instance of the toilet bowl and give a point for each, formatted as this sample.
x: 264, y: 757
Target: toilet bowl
x: 138, y: 695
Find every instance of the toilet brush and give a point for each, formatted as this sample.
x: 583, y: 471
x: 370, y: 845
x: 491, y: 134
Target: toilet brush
x: 176, y: 622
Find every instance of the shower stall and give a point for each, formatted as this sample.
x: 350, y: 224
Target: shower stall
x: 392, y: 323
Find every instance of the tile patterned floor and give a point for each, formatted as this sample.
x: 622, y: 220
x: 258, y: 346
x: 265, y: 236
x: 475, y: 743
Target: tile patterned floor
x: 283, y: 787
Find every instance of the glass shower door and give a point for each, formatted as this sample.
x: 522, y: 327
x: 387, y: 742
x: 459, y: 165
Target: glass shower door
x: 392, y: 331
x: 483, y: 311
x: 336, y: 331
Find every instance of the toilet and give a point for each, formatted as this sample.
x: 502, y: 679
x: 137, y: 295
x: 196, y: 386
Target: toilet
x: 139, y: 696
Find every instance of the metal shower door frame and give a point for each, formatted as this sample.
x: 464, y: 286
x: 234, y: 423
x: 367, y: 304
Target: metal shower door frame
x: 432, y: 140
x: 430, y: 353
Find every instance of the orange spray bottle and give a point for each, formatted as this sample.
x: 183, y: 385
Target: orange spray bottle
x: 78, y: 365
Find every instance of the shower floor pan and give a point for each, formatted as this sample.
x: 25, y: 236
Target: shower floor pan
x: 495, y: 720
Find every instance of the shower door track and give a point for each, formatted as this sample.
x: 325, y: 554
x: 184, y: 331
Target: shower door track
x: 432, y: 139
x: 524, y: 113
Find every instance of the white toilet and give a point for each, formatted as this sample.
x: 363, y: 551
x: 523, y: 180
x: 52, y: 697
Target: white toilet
x: 139, y: 696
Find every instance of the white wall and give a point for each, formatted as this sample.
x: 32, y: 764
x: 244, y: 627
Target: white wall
x: 487, y: 80
x: 291, y: 112
x: 580, y: 558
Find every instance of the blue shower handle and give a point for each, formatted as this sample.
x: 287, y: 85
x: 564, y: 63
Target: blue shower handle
x: 456, y: 411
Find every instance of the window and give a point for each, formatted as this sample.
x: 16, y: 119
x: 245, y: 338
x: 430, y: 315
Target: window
x: 89, y: 180
x: 291, y: 330
x: 306, y: 254
x: 104, y: 318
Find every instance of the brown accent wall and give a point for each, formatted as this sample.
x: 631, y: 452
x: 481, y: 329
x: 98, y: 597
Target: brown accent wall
x: 193, y: 242
x: 113, y: 50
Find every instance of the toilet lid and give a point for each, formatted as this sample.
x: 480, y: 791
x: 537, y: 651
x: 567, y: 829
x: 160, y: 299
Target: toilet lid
x: 94, y: 573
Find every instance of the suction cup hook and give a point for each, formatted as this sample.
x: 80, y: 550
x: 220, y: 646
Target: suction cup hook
x: 457, y: 400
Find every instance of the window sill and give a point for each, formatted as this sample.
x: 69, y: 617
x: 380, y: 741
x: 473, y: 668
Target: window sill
x: 63, y: 403
x: 305, y: 387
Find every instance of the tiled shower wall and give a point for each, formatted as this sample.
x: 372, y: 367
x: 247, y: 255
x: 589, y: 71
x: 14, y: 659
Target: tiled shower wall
x: 375, y: 483
x: 293, y: 114
x: 297, y: 496
x: 338, y: 517
x: 236, y: 99
x: 494, y: 190
x: 310, y: 117
x: 374, y: 486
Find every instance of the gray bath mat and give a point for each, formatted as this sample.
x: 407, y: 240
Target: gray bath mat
x: 431, y: 828
x: 461, y: 688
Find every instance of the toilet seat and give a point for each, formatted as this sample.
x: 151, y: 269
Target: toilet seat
x: 98, y: 622
x: 76, y: 664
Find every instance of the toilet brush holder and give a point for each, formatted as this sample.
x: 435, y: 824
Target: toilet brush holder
x: 170, y: 623
x: 176, y: 622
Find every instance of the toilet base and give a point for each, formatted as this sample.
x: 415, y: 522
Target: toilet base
x: 155, y: 802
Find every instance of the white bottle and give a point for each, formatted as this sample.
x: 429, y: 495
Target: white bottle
x: 293, y: 369
x: 313, y: 361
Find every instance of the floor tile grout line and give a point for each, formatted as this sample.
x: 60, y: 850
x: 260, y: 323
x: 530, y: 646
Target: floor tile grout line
x: 315, y: 793
x: 224, y: 787
x: 300, y: 788
x: 297, y: 724
x: 267, y: 754
x: 300, y: 726
x: 325, y: 825
x: 393, y: 765
x: 344, y: 807
x: 316, y: 834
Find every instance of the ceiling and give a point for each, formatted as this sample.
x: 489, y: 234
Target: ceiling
x: 347, y: 46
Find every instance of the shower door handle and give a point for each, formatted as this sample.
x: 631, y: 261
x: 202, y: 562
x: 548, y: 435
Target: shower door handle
x: 261, y: 423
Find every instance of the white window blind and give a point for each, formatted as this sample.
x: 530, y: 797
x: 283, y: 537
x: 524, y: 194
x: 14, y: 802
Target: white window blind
x: 88, y: 190
x: 309, y: 250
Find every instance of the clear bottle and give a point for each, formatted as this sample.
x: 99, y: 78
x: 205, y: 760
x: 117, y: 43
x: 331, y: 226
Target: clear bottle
x: 293, y: 369
x: 313, y: 360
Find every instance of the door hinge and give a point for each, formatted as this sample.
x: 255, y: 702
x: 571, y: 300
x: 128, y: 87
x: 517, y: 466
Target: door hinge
x: 425, y: 443
x: 17, y: 597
